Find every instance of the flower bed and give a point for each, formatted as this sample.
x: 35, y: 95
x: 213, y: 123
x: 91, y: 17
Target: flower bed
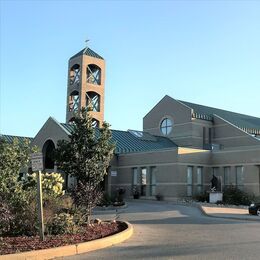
x: 10, y: 245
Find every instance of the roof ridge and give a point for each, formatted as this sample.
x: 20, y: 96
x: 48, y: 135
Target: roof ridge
x: 89, y: 52
x: 16, y: 136
x: 217, y: 109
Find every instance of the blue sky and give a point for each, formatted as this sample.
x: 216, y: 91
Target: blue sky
x: 206, y: 52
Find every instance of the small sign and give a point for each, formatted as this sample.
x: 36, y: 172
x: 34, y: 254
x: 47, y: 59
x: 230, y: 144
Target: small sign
x: 37, y: 161
x: 113, y: 173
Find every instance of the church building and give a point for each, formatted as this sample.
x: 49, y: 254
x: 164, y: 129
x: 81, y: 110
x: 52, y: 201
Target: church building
x: 182, y: 145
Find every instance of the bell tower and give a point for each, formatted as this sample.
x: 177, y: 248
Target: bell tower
x: 86, y: 85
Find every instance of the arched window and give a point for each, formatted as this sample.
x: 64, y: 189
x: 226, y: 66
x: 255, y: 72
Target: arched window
x: 95, y: 123
x: 93, y: 101
x: 48, y: 154
x: 93, y: 74
x: 166, y: 126
x: 75, y: 75
x: 74, y: 101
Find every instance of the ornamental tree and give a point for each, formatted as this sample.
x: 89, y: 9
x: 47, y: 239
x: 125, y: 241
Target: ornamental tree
x: 52, y: 185
x: 86, y: 156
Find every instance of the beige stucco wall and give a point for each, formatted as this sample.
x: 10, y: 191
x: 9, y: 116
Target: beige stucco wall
x: 180, y: 116
x: 171, y: 165
x: 186, y: 132
x: 230, y: 136
x: 49, y: 131
x: 171, y: 169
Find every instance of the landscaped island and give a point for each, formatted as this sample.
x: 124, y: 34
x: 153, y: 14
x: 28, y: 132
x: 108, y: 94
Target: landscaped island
x: 11, y: 245
x: 66, y: 213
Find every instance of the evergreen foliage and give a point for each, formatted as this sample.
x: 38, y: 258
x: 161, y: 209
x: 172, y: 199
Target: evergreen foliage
x: 86, y: 156
x: 15, y: 203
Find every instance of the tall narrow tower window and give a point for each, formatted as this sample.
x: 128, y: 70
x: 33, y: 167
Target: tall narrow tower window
x: 95, y: 123
x: 166, y: 126
x: 93, y: 101
x: 93, y: 74
x: 75, y: 75
x: 74, y: 101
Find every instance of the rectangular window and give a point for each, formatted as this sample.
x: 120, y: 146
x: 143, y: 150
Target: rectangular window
x: 240, y: 176
x: 227, y: 175
x: 135, y: 176
x: 153, y: 181
x: 144, y: 176
x: 189, y: 180
x: 199, y: 179
x: 143, y: 181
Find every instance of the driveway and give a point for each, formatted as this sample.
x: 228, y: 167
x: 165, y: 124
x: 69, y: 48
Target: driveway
x: 167, y: 231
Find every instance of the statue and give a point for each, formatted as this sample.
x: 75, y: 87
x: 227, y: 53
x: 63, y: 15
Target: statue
x: 214, y: 183
x: 215, y: 194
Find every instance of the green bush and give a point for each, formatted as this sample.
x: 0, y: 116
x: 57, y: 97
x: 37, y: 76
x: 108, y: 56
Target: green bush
x: 106, y: 200
x: 120, y: 195
x: 62, y: 223
x: 159, y: 196
x: 202, y: 197
x: 6, y: 218
x: 234, y: 196
x: 256, y: 199
x: 17, y: 210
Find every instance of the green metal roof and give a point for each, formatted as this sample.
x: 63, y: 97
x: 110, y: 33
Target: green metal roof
x: 248, y: 123
x: 10, y: 138
x: 127, y: 142
x: 87, y: 52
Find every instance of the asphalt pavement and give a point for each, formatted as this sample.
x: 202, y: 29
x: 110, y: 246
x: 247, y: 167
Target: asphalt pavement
x: 168, y: 231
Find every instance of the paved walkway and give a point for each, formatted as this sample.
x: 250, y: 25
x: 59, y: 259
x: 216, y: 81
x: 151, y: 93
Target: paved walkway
x: 169, y: 231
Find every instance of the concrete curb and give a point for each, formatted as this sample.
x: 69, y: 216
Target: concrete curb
x: 71, y: 250
x: 246, y: 218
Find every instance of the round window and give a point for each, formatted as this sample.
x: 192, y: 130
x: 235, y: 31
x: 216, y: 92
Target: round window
x: 166, y: 126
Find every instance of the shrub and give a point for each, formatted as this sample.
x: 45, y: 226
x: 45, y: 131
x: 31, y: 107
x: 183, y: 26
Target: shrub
x: 202, y: 197
x: 159, y: 196
x: 256, y: 199
x: 234, y: 196
x: 62, y: 223
x: 17, y: 211
x: 136, y: 192
x: 120, y: 195
x: 52, y: 184
x: 6, y: 218
x: 106, y: 200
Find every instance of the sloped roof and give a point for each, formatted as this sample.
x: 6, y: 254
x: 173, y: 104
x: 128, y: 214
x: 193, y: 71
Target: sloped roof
x: 248, y: 123
x: 10, y: 138
x: 126, y: 142
x: 87, y: 52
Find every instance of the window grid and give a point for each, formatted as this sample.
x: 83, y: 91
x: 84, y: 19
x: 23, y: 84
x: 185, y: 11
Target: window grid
x: 166, y: 126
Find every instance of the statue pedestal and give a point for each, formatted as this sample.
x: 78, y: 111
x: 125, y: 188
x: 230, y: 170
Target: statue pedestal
x: 215, y: 196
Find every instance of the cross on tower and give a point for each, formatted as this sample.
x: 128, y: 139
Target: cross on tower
x: 86, y: 45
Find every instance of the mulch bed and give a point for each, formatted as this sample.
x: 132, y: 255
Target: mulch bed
x: 10, y: 245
